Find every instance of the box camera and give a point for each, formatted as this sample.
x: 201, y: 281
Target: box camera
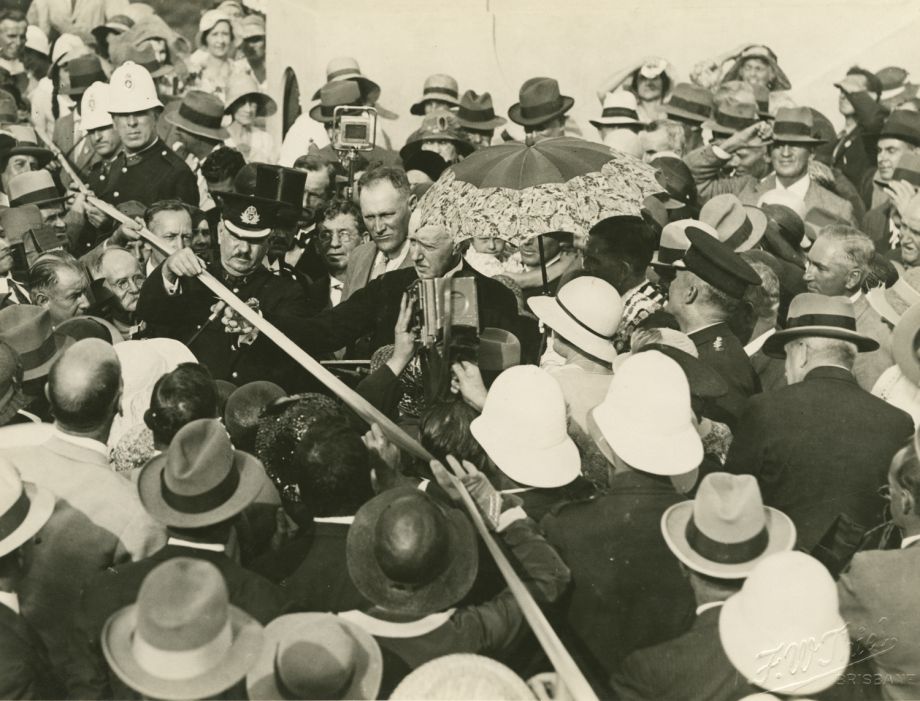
x: 354, y: 128
x: 443, y: 306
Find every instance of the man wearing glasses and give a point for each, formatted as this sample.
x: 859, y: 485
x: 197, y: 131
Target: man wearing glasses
x: 339, y: 231
x: 118, y: 288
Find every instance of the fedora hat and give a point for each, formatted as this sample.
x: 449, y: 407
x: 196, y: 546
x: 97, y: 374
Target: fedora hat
x: 84, y: 71
x: 463, y: 676
x: 27, y: 328
x: 181, y: 639
x: 892, y: 302
x: 674, y: 242
x: 34, y: 187
x: 12, y: 398
x: 26, y: 145
x: 689, y: 103
x: 787, y: 603
x: 335, y: 94
x: 131, y: 90
x: 731, y: 117
x: 646, y: 417
x: 347, y: 68
x: 200, y: 480
x: 243, y: 85
x: 619, y: 109
x: 439, y: 87
x: 896, y: 86
x: 316, y: 656
x: 24, y: 508
x: 908, y: 170
x: 199, y: 113
x: 409, y: 554
x: 539, y: 101
x: 476, y: 112
x: 94, y: 107
x: 717, y: 264
x: 785, y: 230
x: 740, y: 227
x: 817, y: 218
x: 811, y: 314
x: 903, y: 125
x: 794, y: 125
x: 678, y: 182
x: 498, y: 350
x: 725, y: 530
x: 905, y: 340
x: 523, y: 428
x: 440, y: 125
x: 586, y: 312
x: 764, y: 53
x: 117, y: 24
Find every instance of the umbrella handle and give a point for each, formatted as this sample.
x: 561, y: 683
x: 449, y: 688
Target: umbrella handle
x: 543, y: 265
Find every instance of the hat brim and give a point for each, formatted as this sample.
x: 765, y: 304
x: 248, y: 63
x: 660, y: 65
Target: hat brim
x: 316, y: 115
x: 444, y: 590
x: 679, y: 113
x: 487, y: 125
x: 365, y: 683
x: 173, y: 117
x: 745, y: 644
x: 544, y: 468
x: 418, y: 108
x: 903, y: 344
x: 149, y: 490
x: 119, y: 631
x: 464, y: 148
x: 617, y: 122
x: 675, y: 454
x: 758, y: 219
x: 775, y: 346
x: 43, y: 155
x: 370, y: 91
x: 62, y: 344
x: 514, y: 113
x: 266, y: 104
x: 548, y: 311
x: 41, y: 506
x: 878, y: 300
x: 780, y: 537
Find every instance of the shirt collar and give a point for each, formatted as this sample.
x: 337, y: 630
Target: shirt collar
x: 799, y: 187
x: 756, y: 344
x: 855, y: 296
x: 706, y: 607
x: 182, y: 543
x: 909, y: 540
x: 10, y: 600
x: 82, y: 441
x: 347, y: 520
x: 335, y: 283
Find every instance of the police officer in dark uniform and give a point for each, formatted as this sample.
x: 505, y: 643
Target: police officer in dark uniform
x: 175, y: 303
x: 708, y: 287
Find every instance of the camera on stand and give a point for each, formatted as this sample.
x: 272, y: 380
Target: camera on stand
x: 354, y: 129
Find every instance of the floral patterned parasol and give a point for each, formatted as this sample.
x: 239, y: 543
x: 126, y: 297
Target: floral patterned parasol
x: 516, y: 191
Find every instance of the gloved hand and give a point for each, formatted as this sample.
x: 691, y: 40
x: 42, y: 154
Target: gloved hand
x: 488, y: 500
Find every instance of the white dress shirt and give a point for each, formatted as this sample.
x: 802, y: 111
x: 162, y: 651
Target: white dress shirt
x: 909, y: 539
x: 10, y: 600
x: 799, y: 188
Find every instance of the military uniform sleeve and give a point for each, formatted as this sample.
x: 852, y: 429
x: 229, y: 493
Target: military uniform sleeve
x: 706, y: 167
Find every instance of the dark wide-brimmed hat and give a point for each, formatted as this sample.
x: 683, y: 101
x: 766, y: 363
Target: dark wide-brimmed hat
x: 731, y: 117
x: 476, y: 112
x: 199, y: 113
x: 678, y: 182
x: 439, y: 125
x: 26, y: 145
x: 275, y: 199
x: 795, y: 125
x: 903, y: 125
x: 812, y: 314
x: 84, y: 71
x: 440, y: 87
x: 690, y: 103
x: 243, y: 85
x: 539, y: 101
x: 717, y: 264
x: 408, y: 554
x: 726, y: 529
x: 335, y: 94
x: 201, y: 479
x: 27, y: 328
x: 181, y: 639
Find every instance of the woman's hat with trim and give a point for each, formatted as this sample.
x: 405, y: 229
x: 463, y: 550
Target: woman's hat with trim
x: 208, y: 21
x: 243, y: 85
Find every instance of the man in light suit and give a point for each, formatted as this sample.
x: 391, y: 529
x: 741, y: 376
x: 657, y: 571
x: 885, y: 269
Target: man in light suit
x: 793, y: 145
x: 98, y: 521
x: 386, y: 204
x: 878, y: 594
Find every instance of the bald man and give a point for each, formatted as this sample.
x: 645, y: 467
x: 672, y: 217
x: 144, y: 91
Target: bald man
x: 98, y: 521
x: 121, y: 278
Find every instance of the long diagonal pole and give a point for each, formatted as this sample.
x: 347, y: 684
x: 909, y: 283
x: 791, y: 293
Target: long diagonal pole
x: 569, y: 674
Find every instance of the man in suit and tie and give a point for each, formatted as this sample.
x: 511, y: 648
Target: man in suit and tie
x: 98, y: 521
x: 878, y: 591
x: 794, y: 142
x: 820, y: 446
x: 718, y: 537
x: 386, y: 203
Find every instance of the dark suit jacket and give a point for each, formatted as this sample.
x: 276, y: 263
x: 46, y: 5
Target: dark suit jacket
x: 877, y: 226
x: 118, y: 587
x: 721, y: 350
x: 628, y: 592
x: 856, y: 152
x: 770, y: 371
x: 693, y: 667
x: 820, y: 448
x: 25, y: 671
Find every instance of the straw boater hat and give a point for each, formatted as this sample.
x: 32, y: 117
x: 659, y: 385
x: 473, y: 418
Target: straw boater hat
x: 675, y: 242
x: 409, y: 554
x: 24, y: 508
x: 335, y: 94
x: 463, y: 676
x: 476, y: 112
x: 522, y: 428
x: 788, y: 604
x: 726, y: 530
x: 347, y: 68
x: 740, y: 226
x: 440, y: 87
x: 199, y: 113
x: 539, y: 101
x: 316, y: 656
x: 200, y: 480
x: 619, y: 110
x: 182, y: 639
x: 904, y: 344
x: 27, y: 328
x: 689, y: 103
x: 892, y: 302
x: 812, y: 314
x: 243, y: 85
x: 586, y: 312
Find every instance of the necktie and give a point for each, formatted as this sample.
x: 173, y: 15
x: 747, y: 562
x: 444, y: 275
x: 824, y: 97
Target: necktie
x: 380, y: 266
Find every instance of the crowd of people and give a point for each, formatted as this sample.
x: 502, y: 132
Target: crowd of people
x: 691, y: 431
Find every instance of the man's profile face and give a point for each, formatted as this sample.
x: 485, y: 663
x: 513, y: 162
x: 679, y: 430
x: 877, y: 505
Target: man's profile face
x: 201, y: 240
x: 889, y: 155
x: 53, y: 216
x: 123, y: 278
x: 677, y: 292
x: 386, y: 215
x: 790, y: 160
x: 910, y: 234
x: 137, y: 129
x: 6, y: 256
x: 756, y: 71
x: 174, y: 227
x: 432, y: 251
x: 338, y: 237
x: 67, y: 298
x: 239, y: 256
x: 316, y: 189
x: 12, y: 39
x: 750, y: 160
x: 827, y: 270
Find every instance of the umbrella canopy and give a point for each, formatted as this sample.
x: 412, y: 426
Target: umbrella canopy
x: 517, y: 191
